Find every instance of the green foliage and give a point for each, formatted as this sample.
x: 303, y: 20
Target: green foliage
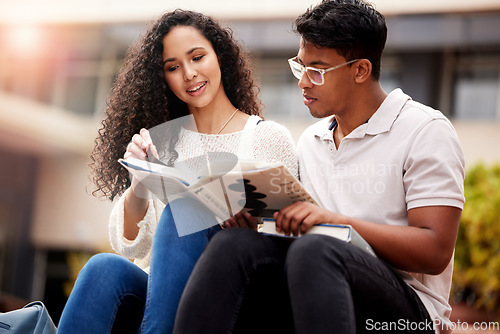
x: 476, y: 276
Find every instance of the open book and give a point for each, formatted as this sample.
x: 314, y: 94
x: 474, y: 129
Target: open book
x: 226, y: 187
x: 342, y: 232
x: 229, y: 186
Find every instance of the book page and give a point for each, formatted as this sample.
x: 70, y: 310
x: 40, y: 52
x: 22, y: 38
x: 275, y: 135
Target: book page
x: 266, y: 190
x: 133, y: 165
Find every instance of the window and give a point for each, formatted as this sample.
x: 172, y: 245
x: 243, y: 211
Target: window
x: 477, y: 89
x: 477, y: 94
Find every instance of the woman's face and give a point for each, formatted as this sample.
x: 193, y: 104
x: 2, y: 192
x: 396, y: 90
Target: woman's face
x: 191, y: 67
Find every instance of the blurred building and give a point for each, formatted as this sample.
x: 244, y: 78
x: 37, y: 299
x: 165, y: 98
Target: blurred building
x: 58, y: 60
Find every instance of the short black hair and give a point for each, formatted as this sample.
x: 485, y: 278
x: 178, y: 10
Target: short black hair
x: 352, y: 27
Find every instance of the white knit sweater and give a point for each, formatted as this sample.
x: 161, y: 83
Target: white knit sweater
x: 265, y: 141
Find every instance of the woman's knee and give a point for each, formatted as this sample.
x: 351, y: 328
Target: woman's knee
x: 105, y: 266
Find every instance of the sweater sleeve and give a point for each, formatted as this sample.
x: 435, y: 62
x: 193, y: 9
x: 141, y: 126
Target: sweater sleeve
x: 140, y: 247
x: 274, y: 143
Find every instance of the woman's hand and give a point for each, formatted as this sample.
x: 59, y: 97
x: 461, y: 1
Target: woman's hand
x: 242, y: 219
x: 139, y: 148
x: 140, y: 145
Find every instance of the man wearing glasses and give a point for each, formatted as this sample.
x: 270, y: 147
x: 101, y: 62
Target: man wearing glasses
x: 390, y: 167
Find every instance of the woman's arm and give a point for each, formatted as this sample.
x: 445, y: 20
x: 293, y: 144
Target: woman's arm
x: 136, y: 201
x: 135, y: 207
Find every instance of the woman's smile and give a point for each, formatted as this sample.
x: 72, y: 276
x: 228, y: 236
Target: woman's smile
x: 197, y: 88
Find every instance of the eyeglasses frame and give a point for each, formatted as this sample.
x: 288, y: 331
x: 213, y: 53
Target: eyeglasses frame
x: 320, y: 70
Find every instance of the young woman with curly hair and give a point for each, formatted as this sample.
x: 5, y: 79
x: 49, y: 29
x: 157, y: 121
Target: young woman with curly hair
x: 185, y: 64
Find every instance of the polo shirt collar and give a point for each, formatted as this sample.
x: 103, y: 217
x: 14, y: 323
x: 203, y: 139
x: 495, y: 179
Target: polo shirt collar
x: 380, y: 122
x: 385, y: 116
x: 324, y: 131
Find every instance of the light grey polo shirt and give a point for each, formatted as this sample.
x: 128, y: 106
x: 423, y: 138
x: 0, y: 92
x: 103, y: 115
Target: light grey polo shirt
x: 406, y: 155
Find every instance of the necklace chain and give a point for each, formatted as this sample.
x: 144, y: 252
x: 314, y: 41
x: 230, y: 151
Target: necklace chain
x: 226, y: 123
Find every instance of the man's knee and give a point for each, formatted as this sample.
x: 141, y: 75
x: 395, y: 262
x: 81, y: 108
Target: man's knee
x: 312, y: 251
x: 242, y: 247
x: 233, y: 239
x: 231, y: 244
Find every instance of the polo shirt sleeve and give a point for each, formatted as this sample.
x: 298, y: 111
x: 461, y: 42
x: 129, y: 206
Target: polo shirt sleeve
x: 434, y: 168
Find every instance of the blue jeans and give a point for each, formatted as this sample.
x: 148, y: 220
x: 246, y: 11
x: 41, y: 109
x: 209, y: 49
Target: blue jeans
x: 245, y: 282
x: 113, y: 295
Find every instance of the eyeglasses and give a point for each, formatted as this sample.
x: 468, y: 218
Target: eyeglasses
x: 316, y: 75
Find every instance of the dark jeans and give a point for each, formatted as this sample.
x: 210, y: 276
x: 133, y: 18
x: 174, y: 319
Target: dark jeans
x: 250, y: 283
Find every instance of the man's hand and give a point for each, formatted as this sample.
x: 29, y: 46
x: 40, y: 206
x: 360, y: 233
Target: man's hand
x: 301, y: 216
x: 242, y: 219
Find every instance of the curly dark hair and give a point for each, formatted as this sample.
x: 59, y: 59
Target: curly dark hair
x: 352, y: 27
x: 141, y: 98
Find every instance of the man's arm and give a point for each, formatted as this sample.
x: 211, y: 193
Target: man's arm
x: 424, y: 246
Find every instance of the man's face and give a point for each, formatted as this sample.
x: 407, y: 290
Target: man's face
x: 333, y: 96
